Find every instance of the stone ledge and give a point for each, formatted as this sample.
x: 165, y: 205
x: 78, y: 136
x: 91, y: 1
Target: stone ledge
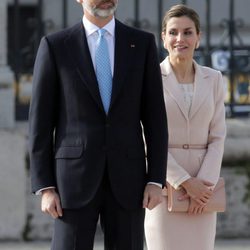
x: 12, y: 184
x: 20, y: 215
x: 237, y: 143
x: 235, y: 221
x: 238, y: 128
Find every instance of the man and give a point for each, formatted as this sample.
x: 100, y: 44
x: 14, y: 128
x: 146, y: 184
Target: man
x: 86, y: 148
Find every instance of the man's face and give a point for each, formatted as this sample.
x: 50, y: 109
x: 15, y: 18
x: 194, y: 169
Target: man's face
x: 99, y: 8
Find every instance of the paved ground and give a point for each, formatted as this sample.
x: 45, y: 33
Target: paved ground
x: 234, y: 244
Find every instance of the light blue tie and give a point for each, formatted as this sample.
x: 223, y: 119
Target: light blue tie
x: 103, y: 69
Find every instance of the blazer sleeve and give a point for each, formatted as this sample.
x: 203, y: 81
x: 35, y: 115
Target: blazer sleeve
x: 211, y: 166
x: 42, y: 115
x: 154, y: 118
x: 176, y: 174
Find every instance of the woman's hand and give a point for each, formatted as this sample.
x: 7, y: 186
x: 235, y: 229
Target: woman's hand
x: 198, y: 190
x: 195, y: 207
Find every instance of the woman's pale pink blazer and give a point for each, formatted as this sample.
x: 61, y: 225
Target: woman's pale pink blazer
x: 203, y: 124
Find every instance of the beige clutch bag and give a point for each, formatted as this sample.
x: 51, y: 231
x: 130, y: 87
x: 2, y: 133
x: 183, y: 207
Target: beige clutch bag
x: 217, y: 202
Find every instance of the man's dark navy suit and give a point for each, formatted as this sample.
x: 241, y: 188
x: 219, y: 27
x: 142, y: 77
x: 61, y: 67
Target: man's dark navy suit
x: 72, y: 140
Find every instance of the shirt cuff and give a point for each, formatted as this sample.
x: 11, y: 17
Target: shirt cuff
x: 39, y: 192
x: 155, y: 183
x: 180, y: 181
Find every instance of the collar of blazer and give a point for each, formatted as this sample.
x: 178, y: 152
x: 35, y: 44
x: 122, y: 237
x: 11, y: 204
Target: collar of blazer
x: 77, y: 47
x: 202, y: 85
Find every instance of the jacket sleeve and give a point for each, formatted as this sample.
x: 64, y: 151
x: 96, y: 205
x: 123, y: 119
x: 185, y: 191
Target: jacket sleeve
x: 154, y: 118
x: 176, y: 174
x: 210, y: 168
x: 42, y: 118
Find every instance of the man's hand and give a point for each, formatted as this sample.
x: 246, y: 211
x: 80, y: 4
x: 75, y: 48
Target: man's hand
x: 50, y: 203
x: 152, y: 196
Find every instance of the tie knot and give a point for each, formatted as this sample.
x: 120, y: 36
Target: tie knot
x: 101, y: 32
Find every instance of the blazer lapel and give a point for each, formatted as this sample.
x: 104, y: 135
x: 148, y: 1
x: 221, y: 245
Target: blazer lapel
x: 121, y: 60
x: 78, y: 50
x: 201, y: 89
x: 172, y: 87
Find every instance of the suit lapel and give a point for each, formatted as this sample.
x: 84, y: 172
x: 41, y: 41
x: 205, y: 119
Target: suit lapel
x: 201, y: 90
x: 121, y: 60
x: 78, y: 50
x: 172, y: 87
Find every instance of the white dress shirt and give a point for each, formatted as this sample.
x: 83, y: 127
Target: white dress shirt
x: 91, y: 31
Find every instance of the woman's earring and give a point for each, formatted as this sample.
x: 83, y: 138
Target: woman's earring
x: 197, y: 45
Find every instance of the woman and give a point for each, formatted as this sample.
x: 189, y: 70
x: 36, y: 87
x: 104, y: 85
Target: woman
x: 195, y: 108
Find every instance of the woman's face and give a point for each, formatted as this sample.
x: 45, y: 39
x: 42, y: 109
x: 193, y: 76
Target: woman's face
x: 181, y: 37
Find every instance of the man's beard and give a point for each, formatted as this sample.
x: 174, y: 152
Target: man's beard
x: 103, y: 13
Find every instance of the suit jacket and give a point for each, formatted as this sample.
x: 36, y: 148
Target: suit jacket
x: 203, y: 125
x: 72, y: 140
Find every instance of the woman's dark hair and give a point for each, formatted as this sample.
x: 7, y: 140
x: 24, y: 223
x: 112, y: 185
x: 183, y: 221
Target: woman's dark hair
x: 180, y: 10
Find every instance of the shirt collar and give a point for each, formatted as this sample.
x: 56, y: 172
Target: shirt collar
x: 91, y: 28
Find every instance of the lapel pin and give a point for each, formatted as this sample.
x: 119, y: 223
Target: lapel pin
x: 132, y: 45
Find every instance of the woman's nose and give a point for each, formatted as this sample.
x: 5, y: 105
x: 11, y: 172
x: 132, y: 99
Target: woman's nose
x: 179, y: 37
